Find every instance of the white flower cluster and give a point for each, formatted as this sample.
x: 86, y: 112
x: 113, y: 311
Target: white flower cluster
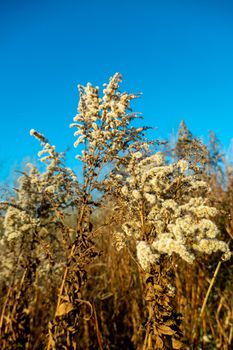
x: 145, y: 255
x: 31, y: 217
x: 171, y: 201
x: 18, y: 223
x: 103, y: 123
x: 57, y: 181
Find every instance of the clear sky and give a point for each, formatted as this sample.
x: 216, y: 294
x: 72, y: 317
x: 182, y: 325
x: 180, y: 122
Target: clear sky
x: 179, y: 54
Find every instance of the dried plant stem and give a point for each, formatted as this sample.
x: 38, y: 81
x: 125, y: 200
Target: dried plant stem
x: 18, y: 294
x: 148, y: 341
x: 58, y: 302
x: 4, y: 307
x: 98, y: 334
x: 142, y: 217
x: 14, y: 309
x: 209, y: 289
x: 146, y: 338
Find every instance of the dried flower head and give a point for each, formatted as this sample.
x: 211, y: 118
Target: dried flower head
x: 170, y: 200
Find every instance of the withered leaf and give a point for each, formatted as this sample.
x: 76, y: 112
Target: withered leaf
x: 176, y: 344
x: 150, y: 295
x: 26, y: 311
x: 65, y: 297
x: 158, y: 287
x: 165, y: 313
x: 169, y: 323
x: 163, y: 329
x: 158, y: 343
x: 64, y: 309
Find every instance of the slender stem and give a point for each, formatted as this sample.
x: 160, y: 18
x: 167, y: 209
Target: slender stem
x: 4, y: 307
x: 209, y: 289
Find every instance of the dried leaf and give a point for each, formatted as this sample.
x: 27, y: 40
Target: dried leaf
x: 165, y: 313
x: 158, y: 343
x: 176, y: 344
x: 169, y: 323
x: 26, y: 311
x: 158, y: 287
x: 64, y: 297
x: 166, y: 330
x: 64, y: 309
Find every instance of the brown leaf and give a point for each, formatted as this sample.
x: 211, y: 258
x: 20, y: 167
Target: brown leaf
x: 176, y: 344
x: 65, y: 297
x: 166, y: 330
x: 64, y: 309
x: 169, y: 323
x: 158, y: 288
x: 150, y: 295
x: 158, y: 343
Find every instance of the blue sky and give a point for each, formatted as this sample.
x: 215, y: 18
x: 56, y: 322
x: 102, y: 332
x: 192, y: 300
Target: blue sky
x: 179, y: 54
